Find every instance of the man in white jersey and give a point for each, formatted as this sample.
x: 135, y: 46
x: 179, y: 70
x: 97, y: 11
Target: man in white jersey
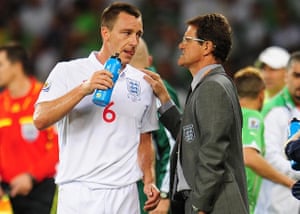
x: 274, y: 198
x: 104, y: 151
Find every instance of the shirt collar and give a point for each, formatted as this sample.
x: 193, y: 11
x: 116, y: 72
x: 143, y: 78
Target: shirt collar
x: 199, y: 76
x: 93, y: 58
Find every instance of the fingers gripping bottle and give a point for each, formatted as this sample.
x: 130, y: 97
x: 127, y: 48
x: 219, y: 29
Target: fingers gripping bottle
x: 102, y: 97
x: 293, y: 129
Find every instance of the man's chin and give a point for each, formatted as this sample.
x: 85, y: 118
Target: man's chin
x: 125, y: 60
x: 180, y: 63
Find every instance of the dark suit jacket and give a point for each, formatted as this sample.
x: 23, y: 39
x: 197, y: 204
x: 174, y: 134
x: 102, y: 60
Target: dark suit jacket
x: 209, y: 132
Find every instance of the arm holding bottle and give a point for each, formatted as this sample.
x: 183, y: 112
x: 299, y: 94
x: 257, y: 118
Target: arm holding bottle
x: 48, y: 113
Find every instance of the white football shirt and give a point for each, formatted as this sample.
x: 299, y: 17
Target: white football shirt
x: 98, y: 145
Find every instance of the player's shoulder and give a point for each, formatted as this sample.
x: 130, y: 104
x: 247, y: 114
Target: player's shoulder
x: 130, y: 69
x: 252, y: 118
x: 71, y: 67
x: 74, y: 62
x: 251, y: 113
x: 135, y: 73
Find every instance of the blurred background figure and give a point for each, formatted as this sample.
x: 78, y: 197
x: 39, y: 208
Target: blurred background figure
x: 28, y: 157
x: 272, y: 61
x: 251, y: 90
x: 162, y: 139
x: 278, y: 112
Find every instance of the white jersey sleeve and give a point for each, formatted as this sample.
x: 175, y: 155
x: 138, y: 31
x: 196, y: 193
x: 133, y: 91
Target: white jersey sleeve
x: 55, y: 82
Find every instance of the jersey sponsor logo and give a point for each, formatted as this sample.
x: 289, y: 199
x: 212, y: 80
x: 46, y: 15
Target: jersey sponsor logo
x: 134, y: 89
x: 46, y: 86
x: 188, y: 133
x: 253, y: 123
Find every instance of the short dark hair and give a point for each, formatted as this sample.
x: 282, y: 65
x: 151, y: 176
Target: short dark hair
x: 214, y: 27
x: 15, y: 52
x: 295, y: 56
x: 249, y: 82
x: 110, y: 14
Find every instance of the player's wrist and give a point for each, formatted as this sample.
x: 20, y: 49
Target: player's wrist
x: 148, y: 178
x: 164, y: 98
x: 84, y: 89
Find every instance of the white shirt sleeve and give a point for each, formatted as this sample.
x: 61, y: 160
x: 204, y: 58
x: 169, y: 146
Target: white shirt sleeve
x: 54, y: 86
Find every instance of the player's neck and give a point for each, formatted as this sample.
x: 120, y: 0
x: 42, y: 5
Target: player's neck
x: 249, y: 103
x: 102, y: 56
x: 19, y: 87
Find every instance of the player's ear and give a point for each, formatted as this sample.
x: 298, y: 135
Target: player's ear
x: 105, y: 33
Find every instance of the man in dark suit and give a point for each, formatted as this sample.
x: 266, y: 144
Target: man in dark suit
x: 207, y: 168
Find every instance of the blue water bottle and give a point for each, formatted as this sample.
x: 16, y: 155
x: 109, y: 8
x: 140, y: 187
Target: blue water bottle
x: 293, y: 129
x: 102, y: 97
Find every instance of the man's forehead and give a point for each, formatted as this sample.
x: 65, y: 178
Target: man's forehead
x: 129, y: 20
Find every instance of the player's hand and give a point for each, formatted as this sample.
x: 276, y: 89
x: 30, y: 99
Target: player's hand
x: 153, y: 196
x: 162, y: 207
x: 21, y: 185
x: 157, y: 85
x: 99, y: 80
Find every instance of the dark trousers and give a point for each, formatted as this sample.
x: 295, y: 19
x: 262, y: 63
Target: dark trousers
x: 178, y: 202
x: 38, y: 201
